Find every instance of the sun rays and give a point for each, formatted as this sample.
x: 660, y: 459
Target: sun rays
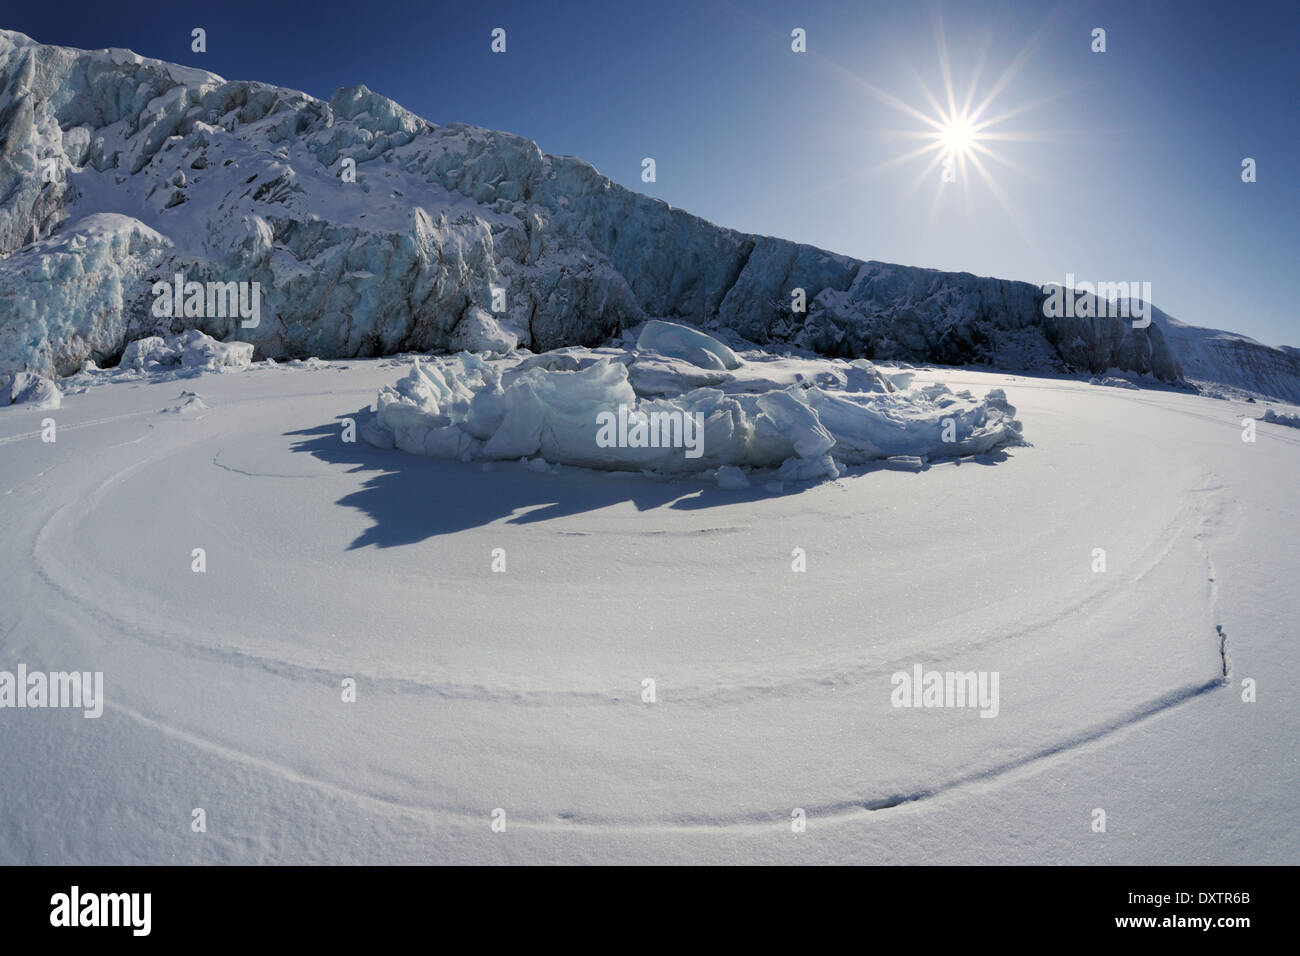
x: 962, y: 133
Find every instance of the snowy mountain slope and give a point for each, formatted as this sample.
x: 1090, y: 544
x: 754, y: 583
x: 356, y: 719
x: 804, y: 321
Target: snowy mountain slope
x: 236, y: 181
x: 1212, y: 357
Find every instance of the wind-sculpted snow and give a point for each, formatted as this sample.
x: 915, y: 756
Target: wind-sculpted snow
x: 628, y: 410
x: 450, y: 237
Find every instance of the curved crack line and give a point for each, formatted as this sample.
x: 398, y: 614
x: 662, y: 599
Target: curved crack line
x: 254, y: 474
x: 754, y: 821
x: 149, y: 631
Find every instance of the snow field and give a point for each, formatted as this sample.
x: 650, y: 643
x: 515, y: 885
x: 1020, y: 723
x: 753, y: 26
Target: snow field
x: 523, y: 689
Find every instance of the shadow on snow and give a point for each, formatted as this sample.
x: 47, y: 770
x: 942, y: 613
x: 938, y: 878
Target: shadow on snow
x: 410, y: 497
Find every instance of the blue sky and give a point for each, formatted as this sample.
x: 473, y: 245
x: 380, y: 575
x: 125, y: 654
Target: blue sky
x: 1123, y: 165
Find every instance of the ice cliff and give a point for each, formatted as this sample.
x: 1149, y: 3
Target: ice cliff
x: 117, y: 172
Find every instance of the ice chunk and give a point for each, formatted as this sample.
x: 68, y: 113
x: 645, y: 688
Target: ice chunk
x: 204, y: 352
x: 679, y: 341
x: 191, y: 349
x: 34, y: 390
x: 731, y: 478
x: 905, y: 463
x: 808, y: 469
x: 1112, y: 381
x: 189, y: 404
x: 787, y: 414
x: 148, y: 352
x: 1281, y: 418
x: 478, y: 331
x: 901, y: 380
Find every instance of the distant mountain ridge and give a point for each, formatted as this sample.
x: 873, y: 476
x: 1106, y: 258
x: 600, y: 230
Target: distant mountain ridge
x: 449, y: 237
x: 1213, y: 356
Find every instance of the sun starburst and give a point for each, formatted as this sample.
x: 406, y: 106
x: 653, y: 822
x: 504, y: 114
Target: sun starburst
x: 957, y: 137
x: 960, y: 135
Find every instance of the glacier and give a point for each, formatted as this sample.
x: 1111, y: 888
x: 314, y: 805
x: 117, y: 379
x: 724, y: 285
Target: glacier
x: 118, y: 171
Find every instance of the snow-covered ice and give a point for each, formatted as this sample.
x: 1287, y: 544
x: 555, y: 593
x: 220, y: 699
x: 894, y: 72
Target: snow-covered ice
x: 1280, y: 418
x: 24, y: 388
x: 189, y: 350
x: 680, y: 341
x: 522, y: 689
x: 808, y: 418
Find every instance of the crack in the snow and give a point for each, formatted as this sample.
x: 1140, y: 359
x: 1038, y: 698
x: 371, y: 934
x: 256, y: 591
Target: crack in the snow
x: 253, y: 474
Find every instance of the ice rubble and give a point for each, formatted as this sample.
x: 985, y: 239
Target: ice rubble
x: 1112, y: 381
x: 808, y: 419
x: 1280, y: 418
x: 189, y: 350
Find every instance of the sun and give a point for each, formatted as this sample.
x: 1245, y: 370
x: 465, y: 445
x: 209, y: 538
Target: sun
x: 957, y: 137
x: 958, y: 134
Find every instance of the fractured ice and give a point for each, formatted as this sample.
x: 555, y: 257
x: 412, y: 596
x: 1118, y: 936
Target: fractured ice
x: 627, y: 409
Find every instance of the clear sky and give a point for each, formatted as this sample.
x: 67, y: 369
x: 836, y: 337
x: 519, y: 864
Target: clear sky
x: 1123, y: 165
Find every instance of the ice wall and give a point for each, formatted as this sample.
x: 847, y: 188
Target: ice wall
x: 450, y: 237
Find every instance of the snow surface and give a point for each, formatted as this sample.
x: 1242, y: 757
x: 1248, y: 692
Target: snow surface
x: 522, y: 690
